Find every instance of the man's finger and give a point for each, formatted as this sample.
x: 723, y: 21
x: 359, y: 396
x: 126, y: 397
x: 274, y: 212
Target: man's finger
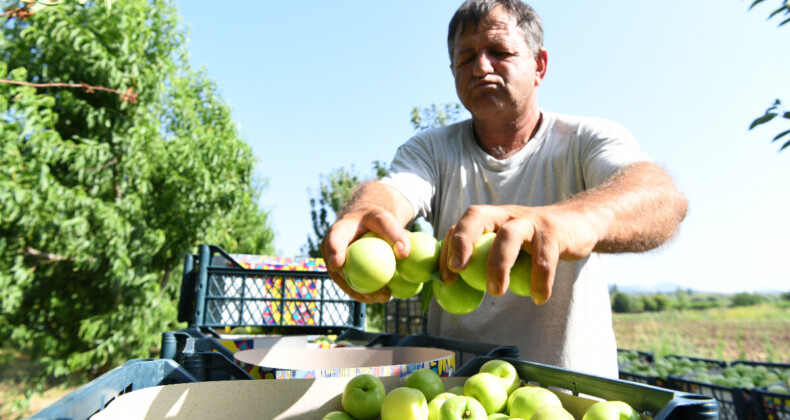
x: 448, y: 277
x: 545, y: 257
x: 503, y: 255
x: 386, y: 226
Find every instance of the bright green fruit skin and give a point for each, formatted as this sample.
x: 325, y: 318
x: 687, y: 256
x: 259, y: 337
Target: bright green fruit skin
x: 402, y: 289
x: 370, y: 264
x: 462, y: 407
x: 489, y: 389
x: 475, y: 273
x: 551, y: 412
x: 521, y: 274
x: 610, y: 410
x: 457, y: 390
x: 498, y: 416
x: 423, y: 258
x: 458, y: 298
x: 337, y: 415
x: 404, y: 404
x: 504, y: 370
x: 435, y: 405
x: 524, y: 401
x: 426, y: 381
x: 362, y: 397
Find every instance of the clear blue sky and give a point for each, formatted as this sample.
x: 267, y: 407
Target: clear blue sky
x: 319, y: 85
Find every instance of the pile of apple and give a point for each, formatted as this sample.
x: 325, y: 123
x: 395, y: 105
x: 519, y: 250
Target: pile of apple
x: 632, y: 362
x: 371, y: 264
x: 495, y: 392
x: 740, y: 375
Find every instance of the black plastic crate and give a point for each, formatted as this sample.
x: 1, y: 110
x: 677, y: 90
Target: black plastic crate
x: 205, y: 360
x: 660, y: 403
x: 657, y: 403
x: 765, y: 404
x: 133, y: 375
x: 404, y: 317
x: 736, y: 400
x: 771, y: 405
x: 217, y: 292
x: 735, y: 403
x: 632, y: 366
x: 202, y: 353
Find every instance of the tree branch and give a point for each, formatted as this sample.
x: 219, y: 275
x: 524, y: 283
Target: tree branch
x: 129, y: 96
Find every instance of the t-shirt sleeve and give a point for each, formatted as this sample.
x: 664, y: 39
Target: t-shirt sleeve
x: 413, y: 174
x: 607, y: 147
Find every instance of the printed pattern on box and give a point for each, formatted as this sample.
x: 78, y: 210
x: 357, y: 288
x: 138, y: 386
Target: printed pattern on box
x: 273, y: 299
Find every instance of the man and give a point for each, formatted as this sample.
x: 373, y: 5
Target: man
x: 564, y: 189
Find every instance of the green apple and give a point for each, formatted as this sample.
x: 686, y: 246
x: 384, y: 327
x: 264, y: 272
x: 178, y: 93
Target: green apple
x: 337, y: 415
x: 551, y: 412
x: 402, y: 289
x: 524, y: 401
x: 521, y: 274
x: 370, y: 264
x: 476, y: 271
x: 462, y: 407
x: 457, y: 390
x: 435, y: 405
x: 362, y: 397
x: 610, y: 410
x: 423, y: 258
x: 489, y: 389
x: 504, y: 370
x: 498, y: 416
x: 426, y: 381
x: 404, y: 404
x: 458, y: 298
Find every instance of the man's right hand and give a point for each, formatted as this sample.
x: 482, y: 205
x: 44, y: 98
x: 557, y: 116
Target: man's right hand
x: 350, y: 226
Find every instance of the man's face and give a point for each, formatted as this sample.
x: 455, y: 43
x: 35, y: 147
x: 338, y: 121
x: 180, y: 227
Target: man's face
x: 495, y: 71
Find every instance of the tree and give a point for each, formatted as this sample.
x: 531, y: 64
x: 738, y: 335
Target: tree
x: 624, y: 303
x: 777, y: 109
x: 335, y: 190
x: 116, y: 159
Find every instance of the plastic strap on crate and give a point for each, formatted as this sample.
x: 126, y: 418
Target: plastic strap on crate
x: 94, y: 396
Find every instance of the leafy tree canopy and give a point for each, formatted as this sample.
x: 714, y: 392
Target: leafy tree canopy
x: 116, y: 159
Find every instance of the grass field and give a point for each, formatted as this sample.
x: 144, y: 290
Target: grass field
x: 757, y: 333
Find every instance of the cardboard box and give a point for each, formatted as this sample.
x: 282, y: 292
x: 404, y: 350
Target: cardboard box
x: 303, y: 399
x: 296, y: 363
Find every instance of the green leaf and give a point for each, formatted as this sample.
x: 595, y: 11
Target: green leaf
x: 780, y: 135
x: 755, y: 3
x: 426, y: 296
x: 762, y: 120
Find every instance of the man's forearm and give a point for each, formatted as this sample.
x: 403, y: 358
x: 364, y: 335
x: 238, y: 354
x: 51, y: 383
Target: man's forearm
x: 637, y: 209
x: 375, y: 194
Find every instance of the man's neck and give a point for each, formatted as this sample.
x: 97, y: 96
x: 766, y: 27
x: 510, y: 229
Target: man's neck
x: 502, y: 140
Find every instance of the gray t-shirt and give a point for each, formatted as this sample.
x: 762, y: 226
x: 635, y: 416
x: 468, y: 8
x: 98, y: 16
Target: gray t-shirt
x: 443, y: 171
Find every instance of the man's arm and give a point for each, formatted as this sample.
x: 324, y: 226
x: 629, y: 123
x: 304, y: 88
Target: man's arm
x: 375, y: 207
x: 635, y: 210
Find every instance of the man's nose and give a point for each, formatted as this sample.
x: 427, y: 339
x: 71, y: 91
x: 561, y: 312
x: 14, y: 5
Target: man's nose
x: 482, y: 65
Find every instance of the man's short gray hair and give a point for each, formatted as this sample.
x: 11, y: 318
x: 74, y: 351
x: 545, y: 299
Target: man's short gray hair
x: 472, y: 12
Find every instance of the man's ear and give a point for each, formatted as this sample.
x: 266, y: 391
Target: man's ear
x: 541, y: 62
